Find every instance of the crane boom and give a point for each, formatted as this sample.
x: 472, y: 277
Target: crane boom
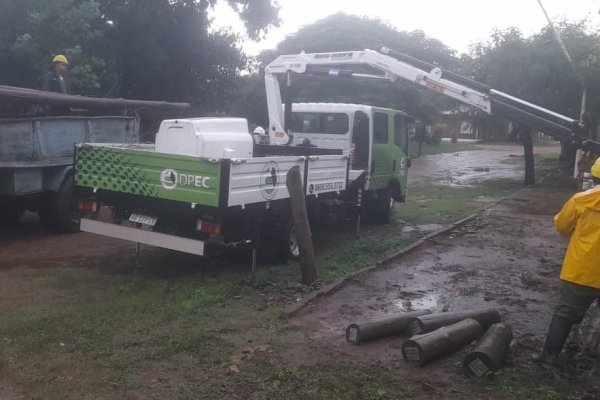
x: 390, y: 65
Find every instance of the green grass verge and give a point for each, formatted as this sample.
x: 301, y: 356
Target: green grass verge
x: 539, y: 159
x: 442, y: 147
x: 433, y: 204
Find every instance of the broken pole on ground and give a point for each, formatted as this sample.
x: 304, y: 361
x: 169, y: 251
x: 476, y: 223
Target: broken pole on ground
x: 381, y: 327
x: 302, y: 227
x: 431, y: 322
x: 423, y: 348
x: 489, y: 351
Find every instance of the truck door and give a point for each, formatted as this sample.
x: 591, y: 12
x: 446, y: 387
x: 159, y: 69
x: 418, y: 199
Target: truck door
x: 382, y: 154
x: 401, y: 155
x: 360, y: 141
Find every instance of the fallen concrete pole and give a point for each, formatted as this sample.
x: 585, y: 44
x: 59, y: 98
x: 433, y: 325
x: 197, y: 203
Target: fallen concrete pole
x: 431, y: 322
x: 489, y: 351
x: 423, y: 348
x: 381, y: 327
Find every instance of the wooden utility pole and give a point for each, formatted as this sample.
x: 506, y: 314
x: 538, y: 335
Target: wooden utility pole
x: 489, y: 351
x: 381, y: 327
x: 17, y: 94
x: 423, y: 348
x: 302, y: 228
x: 428, y: 323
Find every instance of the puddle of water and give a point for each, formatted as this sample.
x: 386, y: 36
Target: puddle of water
x: 425, y: 228
x: 468, y: 168
x: 429, y: 301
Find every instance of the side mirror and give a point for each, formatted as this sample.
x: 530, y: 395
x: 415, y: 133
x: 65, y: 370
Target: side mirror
x: 408, y: 163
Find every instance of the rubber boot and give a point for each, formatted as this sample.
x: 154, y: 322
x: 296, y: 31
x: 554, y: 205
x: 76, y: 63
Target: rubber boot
x: 557, y: 335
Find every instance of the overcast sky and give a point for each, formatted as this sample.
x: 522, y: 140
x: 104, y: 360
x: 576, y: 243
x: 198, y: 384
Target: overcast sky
x: 457, y: 23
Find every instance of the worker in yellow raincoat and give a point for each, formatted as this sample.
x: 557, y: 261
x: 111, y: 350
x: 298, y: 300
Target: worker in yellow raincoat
x: 580, y: 275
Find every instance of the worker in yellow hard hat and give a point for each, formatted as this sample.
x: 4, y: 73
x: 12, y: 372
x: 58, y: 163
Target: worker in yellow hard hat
x: 56, y: 79
x: 579, y: 219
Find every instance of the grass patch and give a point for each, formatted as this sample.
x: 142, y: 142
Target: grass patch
x: 442, y: 147
x: 430, y: 204
x: 336, y: 381
x: 539, y: 159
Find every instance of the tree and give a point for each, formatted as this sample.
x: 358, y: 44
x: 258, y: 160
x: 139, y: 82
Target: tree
x: 535, y: 69
x: 145, y: 49
x: 162, y: 49
x: 33, y: 31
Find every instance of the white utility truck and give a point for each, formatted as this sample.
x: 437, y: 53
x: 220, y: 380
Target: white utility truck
x: 206, y: 182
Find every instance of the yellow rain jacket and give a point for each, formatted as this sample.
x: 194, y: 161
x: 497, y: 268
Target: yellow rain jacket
x: 580, y: 219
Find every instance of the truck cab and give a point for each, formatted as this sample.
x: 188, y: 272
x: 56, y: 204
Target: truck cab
x: 376, y: 140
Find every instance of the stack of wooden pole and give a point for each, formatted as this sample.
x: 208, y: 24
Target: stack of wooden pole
x: 434, y: 335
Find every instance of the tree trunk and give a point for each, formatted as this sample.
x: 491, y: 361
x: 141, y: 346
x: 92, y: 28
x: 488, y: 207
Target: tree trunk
x: 525, y: 136
x: 567, y: 153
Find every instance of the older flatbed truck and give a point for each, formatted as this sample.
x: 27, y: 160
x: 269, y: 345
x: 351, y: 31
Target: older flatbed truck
x: 36, y: 150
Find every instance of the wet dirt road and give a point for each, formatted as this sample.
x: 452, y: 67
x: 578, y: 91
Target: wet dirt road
x: 508, y: 257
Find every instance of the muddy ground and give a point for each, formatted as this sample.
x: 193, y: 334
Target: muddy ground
x: 507, y: 257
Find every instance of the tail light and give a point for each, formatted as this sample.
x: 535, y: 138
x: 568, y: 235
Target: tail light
x: 209, y: 227
x: 88, y: 206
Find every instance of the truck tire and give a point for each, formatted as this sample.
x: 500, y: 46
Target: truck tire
x: 59, y: 211
x: 45, y: 210
x: 379, y: 208
x: 290, y: 249
x: 11, y: 210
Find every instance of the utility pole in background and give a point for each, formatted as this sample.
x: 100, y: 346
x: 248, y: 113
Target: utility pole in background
x: 566, y: 151
x: 569, y: 60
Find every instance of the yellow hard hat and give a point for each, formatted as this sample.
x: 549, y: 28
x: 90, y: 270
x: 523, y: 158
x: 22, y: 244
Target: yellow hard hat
x: 596, y: 169
x: 59, y: 58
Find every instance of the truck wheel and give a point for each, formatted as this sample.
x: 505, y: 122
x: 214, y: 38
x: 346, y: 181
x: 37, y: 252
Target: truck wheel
x: 65, y: 208
x: 291, y: 250
x: 11, y: 211
x: 380, y: 209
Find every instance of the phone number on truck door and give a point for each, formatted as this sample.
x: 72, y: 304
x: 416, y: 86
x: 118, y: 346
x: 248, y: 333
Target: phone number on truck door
x: 325, y: 187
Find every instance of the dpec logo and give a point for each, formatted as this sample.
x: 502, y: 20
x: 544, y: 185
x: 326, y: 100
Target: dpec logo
x: 170, y: 179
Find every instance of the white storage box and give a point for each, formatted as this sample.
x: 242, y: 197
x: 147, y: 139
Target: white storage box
x: 205, y: 137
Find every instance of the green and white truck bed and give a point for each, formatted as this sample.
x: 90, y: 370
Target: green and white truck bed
x: 181, y: 193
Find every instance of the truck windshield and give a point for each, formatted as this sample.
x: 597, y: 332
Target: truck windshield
x: 312, y: 122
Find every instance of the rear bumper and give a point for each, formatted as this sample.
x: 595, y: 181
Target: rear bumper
x: 141, y: 236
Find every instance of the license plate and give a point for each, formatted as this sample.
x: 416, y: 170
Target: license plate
x: 143, y: 219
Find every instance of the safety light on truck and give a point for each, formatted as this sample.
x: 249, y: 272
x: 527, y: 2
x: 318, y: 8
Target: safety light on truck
x: 88, y: 206
x: 208, y: 227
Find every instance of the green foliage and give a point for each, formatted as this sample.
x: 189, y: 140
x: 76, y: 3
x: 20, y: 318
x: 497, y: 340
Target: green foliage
x: 145, y: 49
x: 535, y: 69
x: 33, y: 31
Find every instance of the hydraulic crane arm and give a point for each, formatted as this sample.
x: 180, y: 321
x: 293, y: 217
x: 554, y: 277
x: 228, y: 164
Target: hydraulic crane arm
x: 390, y: 65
